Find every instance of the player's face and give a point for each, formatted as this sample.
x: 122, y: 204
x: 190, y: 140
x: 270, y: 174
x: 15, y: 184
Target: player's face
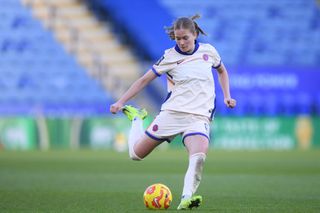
x: 185, y: 39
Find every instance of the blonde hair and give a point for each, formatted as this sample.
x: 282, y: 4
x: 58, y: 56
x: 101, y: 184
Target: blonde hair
x: 185, y: 23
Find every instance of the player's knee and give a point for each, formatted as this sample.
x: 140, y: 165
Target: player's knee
x: 134, y: 156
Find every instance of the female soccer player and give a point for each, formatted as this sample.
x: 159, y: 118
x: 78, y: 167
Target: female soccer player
x: 189, y: 107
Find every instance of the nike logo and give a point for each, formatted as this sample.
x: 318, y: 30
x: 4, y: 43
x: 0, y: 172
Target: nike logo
x: 180, y: 61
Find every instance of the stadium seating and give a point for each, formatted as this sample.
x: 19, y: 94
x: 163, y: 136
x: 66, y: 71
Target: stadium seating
x: 276, y: 35
x: 37, y: 74
x: 261, y: 32
x: 144, y: 21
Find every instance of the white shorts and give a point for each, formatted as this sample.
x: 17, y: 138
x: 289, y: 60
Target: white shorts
x: 169, y: 124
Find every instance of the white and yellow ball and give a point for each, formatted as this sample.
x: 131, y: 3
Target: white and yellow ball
x: 157, y: 196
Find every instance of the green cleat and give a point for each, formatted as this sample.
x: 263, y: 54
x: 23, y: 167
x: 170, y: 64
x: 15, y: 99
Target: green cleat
x: 194, y: 201
x: 132, y: 112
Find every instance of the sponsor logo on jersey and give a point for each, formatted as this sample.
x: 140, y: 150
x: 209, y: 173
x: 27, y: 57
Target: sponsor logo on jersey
x: 180, y: 61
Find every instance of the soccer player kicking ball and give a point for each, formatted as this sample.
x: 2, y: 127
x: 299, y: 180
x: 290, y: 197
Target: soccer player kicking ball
x: 189, y: 107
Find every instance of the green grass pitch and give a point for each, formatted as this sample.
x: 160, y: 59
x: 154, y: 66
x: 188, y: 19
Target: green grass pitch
x: 106, y: 181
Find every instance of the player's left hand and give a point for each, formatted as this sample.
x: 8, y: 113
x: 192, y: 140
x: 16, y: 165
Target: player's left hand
x: 230, y: 102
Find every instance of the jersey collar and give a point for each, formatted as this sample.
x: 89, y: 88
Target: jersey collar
x: 185, y: 53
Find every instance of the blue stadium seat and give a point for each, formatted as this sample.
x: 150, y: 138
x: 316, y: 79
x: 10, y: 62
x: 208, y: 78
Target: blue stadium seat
x: 252, y: 34
x: 267, y: 23
x: 37, y: 73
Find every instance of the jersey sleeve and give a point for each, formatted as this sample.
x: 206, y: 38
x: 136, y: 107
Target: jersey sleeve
x: 164, y: 64
x: 216, y: 58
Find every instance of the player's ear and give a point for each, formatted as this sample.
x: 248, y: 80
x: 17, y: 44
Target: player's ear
x: 195, y: 34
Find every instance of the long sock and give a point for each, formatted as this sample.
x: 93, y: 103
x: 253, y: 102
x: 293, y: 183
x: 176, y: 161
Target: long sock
x: 193, y: 175
x: 136, y: 132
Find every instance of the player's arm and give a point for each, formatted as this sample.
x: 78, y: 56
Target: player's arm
x: 134, y: 89
x: 224, y: 82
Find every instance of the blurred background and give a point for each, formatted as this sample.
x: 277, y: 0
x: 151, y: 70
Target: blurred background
x: 63, y: 62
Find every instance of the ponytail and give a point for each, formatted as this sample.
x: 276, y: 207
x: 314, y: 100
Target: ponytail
x: 198, y: 29
x: 185, y: 23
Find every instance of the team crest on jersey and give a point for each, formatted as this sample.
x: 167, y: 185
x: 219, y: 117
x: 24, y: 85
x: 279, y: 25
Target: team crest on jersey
x: 155, y: 128
x: 205, y: 57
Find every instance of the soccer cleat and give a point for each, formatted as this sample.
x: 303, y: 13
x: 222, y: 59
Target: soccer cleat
x: 132, y: 112
x: 189, y: 203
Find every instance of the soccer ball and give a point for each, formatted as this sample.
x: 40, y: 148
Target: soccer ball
x: 157, y: 196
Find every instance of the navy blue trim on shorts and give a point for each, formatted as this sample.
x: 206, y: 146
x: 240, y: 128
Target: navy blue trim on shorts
x: 154, y: 137
x: 155, y: 72
x: 195, y: 133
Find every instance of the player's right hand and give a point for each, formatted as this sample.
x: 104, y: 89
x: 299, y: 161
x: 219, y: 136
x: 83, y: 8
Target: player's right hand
x: 114, y: 108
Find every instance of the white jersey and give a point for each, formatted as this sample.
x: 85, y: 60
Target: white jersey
x: 193, y: 90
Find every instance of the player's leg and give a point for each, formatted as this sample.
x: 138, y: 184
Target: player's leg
x: 144, y: 147
x: 139, y: 144
x: 197, y: 147
x: 136, y: 116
